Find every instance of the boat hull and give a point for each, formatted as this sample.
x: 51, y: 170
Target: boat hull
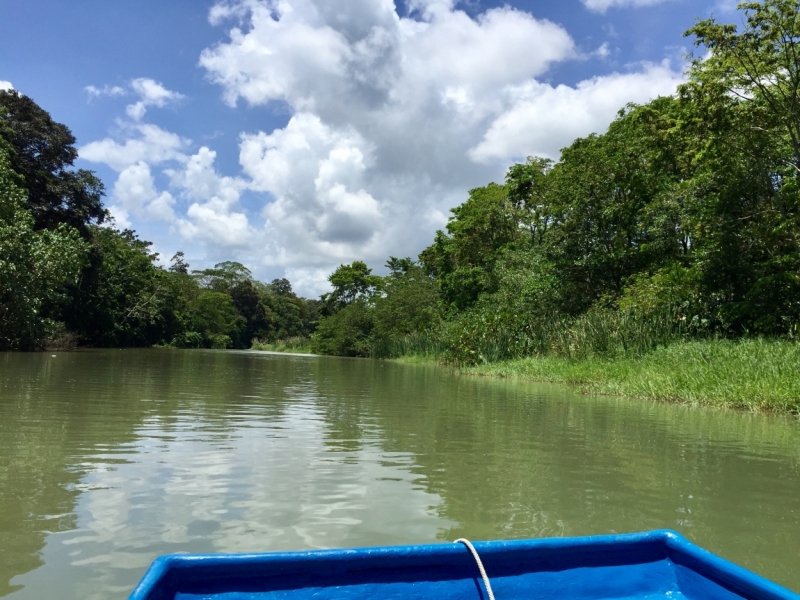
x: 646, y: 566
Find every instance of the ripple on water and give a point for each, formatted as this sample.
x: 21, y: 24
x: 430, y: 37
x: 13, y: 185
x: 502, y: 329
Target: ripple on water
x: 109, y: 459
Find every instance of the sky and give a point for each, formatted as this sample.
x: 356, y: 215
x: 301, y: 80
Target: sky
x: 296, y: 135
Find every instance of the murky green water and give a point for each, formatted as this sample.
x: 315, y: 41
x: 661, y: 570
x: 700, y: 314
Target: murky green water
x: 108, y: 459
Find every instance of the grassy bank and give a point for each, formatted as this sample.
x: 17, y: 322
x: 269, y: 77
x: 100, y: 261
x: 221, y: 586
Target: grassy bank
x: 295, y: 345
x: 749, y: 374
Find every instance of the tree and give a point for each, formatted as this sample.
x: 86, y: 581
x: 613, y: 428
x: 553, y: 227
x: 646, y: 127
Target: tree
x: 350, y: 282
x: 281, y: 287
x: 527, y: 187
x: 122, y: 298
x: 463, y: 259
x: 44, y: 153
x: 399, y: 267
x: 345, y: 332
x: 291, y: 315
x: 746, y: 189
x: 259, y: 318
x: 216, y: 318
x: 410, y: 302
x: 759, y: 66
x: 35, y: 266
x: 609, y: 210
x: 223, y: 277
x: 178, y: 264
x: 347, y: 312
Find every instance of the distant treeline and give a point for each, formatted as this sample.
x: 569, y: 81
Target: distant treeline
x: 66, y: 279
x: 682, y: 220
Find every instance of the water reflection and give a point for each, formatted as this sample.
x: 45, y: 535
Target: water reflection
x: 108, y: 459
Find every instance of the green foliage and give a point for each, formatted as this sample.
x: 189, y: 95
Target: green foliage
x: 223, y: 277
x: 420, y: 344
x: 259, y: 320
x: 754, y: 374
x: 368, y: 315
x: 758, y: 66
x: 43, y: 154
x: 178, y: 265
x: 292, y: 316
x: 122, y: 298
x: 214, y: 315
x: 608, y: 218
x: 189, y: 339
x: 410, y: 301
x: 35, y: 266
x: 350, y: 283
x: 743, y: 193
x: 462, y: 260
x: 298, y: 344
x: 479, y: 337
x: 527, y: 186
x: 527, y: 284
x: 347, y: 331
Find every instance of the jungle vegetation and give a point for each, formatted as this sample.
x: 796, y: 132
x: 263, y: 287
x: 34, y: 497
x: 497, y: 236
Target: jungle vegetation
x: 66, y: 278
x: 680, y: 222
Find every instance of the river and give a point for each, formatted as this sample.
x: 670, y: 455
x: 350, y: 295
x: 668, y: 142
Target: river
x: 111, y: 458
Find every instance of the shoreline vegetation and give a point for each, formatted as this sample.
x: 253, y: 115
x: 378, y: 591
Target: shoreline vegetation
x: 659, y: 259
x: 292, y: 345
x: 756, y: 375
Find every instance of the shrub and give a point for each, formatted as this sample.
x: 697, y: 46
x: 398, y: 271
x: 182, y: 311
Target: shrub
x: 345, y: 332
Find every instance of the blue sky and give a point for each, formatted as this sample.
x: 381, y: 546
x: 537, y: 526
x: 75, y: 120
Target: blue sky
x: 295, y: 135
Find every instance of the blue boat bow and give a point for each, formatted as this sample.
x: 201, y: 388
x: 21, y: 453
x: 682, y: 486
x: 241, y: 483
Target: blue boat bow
x: 644, y: 566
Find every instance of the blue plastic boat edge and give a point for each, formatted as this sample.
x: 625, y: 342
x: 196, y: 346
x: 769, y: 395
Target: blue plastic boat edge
x: 670, y: 544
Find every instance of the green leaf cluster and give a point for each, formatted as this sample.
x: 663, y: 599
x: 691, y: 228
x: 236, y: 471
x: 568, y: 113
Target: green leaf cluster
x: 35, y: 266
x: 366, y: 311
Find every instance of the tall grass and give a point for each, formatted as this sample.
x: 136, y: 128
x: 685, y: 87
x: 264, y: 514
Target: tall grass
x: 754, y: 374
x: 425, y: 345
x: 655, y: 356
x: 297, y: 345
x: 486, y: 338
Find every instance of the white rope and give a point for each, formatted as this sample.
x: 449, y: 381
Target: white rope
x: 477, y: 558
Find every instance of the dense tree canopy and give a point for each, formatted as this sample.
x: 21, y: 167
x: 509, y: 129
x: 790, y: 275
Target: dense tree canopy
x: 35, y: 266
x: 65, y: 279
x: 682, y: 219
x: 43, y: 154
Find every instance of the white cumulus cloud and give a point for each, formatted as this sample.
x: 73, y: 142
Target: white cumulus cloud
x: 541, y: 117
x: 214, y: 215
x: 120, y: 218
x: 602, y: 6
x: 316, y: 173
x: 151, y: 93
x: 136, y: 193
x: 106, y: 90
x: 395, y: 117
x: 201, y: 205
x: 5, y: 85
x: 143, y: 143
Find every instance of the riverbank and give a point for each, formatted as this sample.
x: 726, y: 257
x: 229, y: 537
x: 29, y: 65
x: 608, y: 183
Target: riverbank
x: 756, y: 375
x: 295, y: 345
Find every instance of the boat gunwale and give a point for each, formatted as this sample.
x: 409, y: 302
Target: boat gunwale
x: 673, y: 545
